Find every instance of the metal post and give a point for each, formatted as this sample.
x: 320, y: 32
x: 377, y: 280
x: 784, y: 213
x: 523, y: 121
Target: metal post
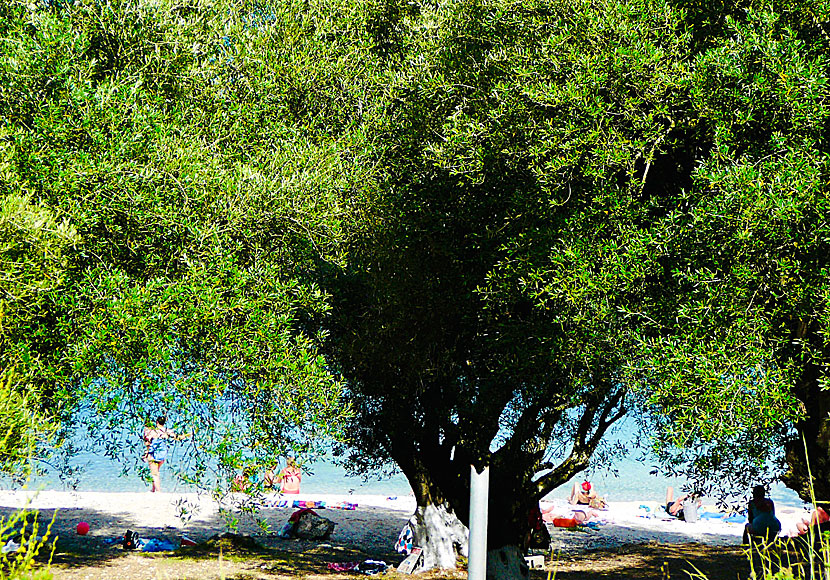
x: 479, y: 492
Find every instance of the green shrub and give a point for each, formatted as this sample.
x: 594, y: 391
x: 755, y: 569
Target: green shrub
x: 22, y: 529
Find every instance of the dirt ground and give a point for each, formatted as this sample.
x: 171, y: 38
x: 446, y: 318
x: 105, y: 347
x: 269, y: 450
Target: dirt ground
x: 274, y: 559
x: 255, y: 555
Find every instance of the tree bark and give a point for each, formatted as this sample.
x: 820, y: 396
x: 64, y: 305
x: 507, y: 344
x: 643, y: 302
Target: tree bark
x: 440, y: 534
x: 506, y: 563
x: 809, y: 452
x: 442, y: 537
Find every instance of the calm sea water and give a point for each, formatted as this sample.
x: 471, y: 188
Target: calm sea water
x: 633, y: 482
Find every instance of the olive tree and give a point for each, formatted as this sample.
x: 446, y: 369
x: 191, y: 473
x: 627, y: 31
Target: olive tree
x: 32, y: 262
x: 482, y: 317
x: 197, y: 151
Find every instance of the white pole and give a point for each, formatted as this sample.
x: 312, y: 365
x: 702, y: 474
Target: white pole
x: 479, y: 492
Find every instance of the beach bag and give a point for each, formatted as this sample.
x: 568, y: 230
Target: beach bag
x: 130, y: 540
x: 405, y: 540
x: 690, y: 510
x: 310, y: 526
x: 540, y: 539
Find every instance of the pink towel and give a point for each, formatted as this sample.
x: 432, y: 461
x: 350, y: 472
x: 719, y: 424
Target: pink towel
x: 343, y: 566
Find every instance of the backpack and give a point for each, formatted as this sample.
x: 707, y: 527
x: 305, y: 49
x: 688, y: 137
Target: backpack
x: 130, y: 540
x: 310, y: 526
x: 540, y: 539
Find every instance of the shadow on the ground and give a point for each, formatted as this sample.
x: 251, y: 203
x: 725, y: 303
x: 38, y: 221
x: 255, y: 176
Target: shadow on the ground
x: 652, y: 560
x: 271, y: 555
x: 99, y: 555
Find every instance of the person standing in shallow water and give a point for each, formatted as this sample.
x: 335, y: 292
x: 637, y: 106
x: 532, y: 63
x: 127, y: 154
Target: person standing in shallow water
x: 156, y: 442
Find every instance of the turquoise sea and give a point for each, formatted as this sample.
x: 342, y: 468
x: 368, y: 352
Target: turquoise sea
x: 628, y: 478
x: 632, y: 481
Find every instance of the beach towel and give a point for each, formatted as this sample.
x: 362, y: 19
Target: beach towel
x: 372, y: 567
x: 344, y: 505
x: 309, y: 504
x: 155, y: 545
x: 734, y: 518
x: 342, y: 566
x: 404, y: 543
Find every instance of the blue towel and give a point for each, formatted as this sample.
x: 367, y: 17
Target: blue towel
x: 733, y: 519
x: 155, y: 545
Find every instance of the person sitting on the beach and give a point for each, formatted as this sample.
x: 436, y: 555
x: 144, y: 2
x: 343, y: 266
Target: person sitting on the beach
x: 582, y: 494
x: 243, y: 481
x: 761, y: 516
x: 269, y: 479
x: 816, y: 518
x: 674, y: 507
x: 290, y: 477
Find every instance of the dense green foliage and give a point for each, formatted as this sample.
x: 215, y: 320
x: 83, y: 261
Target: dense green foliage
x: 504, y: 223
x: 31, y: 265
x: 193, y: 151
x: 747, y: 249
x: 482, y: 318
x: 588, y: 208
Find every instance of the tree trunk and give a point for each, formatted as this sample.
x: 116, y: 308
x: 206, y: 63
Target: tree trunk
x: 506, y: 563
x: 815, y: 430
x: 813, y: 433
x: 440, y: 534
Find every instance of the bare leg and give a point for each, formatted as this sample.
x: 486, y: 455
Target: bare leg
x: 155, y: 466
x: 674, y: 505
x: 574, y: 496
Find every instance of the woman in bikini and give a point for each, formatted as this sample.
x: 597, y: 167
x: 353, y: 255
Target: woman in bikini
x: 156, y: 446
x: 290, y: 477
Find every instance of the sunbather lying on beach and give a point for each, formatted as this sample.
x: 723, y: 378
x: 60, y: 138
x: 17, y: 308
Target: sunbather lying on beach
x: 582, y: 494
x: 674, y: 507
x: 551, y: 513
x: 815, y: 518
